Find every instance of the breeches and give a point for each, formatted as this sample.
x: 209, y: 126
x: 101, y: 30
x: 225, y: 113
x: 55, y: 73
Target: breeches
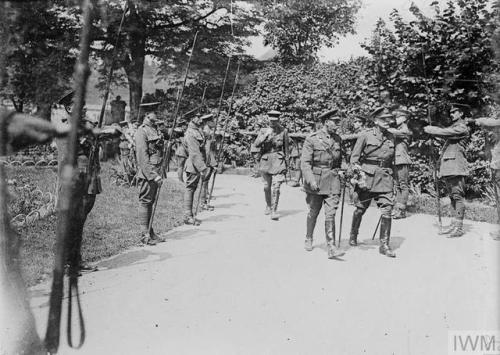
x: 315, y: 202
x: 363, y: 199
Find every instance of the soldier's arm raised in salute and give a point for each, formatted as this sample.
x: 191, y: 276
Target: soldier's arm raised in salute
x: 459, y: 130
x: 401, y: 132
x: 141, y: 146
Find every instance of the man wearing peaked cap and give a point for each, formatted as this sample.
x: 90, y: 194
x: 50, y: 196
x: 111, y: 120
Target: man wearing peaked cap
x: 273, y: 143
x: 373, y: 156
x: 209, y: 130
x: 453, y: 166
x: 196, y: 167
x: 402, y: 161
x: 149, y: 146
x: 320, y: 163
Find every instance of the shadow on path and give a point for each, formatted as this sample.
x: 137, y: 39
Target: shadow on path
x: 229, y: 205
x: 220, y: 218
x: 130, y: 258
x: 186, y: 233
x: 286, y: 213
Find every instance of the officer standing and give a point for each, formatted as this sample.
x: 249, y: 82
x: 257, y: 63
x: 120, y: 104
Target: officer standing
x: 320, y: 163
x: 493, y: 146
x: 196, y: 164
x: 453, y: 166
x: 149, y: 145
x: 273, y: 144
x: 402, y: 162
x: 211, y: 154
x: 373, y: 154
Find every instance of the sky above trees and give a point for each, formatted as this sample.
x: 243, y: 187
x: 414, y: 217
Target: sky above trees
x: 350, y: 45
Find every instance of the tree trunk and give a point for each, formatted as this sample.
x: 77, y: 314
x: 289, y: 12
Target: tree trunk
x: 134, y: 66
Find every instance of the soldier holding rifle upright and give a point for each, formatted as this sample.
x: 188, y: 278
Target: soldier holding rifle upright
x: 453, y: 166
x: 149, y: 145
x: 373, y: 154
x: 273, y: 144
x: 320, y: 163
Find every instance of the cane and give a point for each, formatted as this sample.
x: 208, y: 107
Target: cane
x: 376, y: 228
x: 341, y: 212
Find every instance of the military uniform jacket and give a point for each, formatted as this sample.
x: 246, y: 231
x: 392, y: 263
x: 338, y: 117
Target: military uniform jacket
x: 149, y: 147
x: 374, y: 152
x: 493, y: 145
x: 210, y: 146
x: 401, y: 141
x: 181, y: 150
x: 452, y: 160
x: 320, y: 161
x: 195, y: 143
x: 273, y: 150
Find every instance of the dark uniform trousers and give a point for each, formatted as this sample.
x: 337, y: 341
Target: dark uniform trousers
x: 401, y: 174
x: 455, y: 187
x: 330, y: 204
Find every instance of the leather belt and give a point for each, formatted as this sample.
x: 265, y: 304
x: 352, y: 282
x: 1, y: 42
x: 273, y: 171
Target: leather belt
x: 380, y: 163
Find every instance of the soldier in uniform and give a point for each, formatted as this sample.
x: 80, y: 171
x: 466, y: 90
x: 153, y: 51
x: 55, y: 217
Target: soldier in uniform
x: 181, y: 155
x: 321, y: 160
x: 211, y: 154
x: 492, y: 126
x: 127, y: 150
x: 453, y: 166
x: 88, y: 181
x: 273, y: 144
x: 373, y: 154
x: 149, y: 145
x: 402, y: 162
x: 196, y: 165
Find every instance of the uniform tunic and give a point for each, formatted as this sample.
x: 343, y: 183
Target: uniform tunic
x: 402, y: 162
x: 320, y: 161
x: 149, y: 146
x: 195, y: 141
x: 374, y: 153
x: 274, y: 151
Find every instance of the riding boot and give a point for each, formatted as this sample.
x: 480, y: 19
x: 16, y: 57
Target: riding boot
x: 385, y: 234
x: 204, y: 197
x: 459, y: 229
x: 275, y: 198
x: 144, y: 217
x: 330, y: 239
x: 356, y: 221
x: 311, y: 223
x: 267, y: 195
x: 188, y: 208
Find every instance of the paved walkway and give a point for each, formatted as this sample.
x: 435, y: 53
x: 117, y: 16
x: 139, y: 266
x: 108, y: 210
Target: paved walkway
x: 243, y: 284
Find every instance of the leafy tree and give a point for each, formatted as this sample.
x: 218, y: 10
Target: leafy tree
x: 41, y: 60
x: 297, y: 29
x: 164, y: 31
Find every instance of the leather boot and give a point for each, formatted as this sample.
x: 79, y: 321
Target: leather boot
x: 356, y: 221
x: 188, y: 204
x: 276, y: 197
x: 399, y: 211
x: 267, y: 195
x: 330, y: 239
x: 459, y: 229
x: 448, y: 229
x: 311, y: 223
x: 157, y: 238
x: 204, y: 197
x: 144, y: 216
x: 385, y: 234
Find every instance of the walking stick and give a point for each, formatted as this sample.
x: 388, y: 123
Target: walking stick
x: 221, y: 146
x: 66, y: 208
x: 342, y: 211
x: 167, y: 150
x: 376, y: 228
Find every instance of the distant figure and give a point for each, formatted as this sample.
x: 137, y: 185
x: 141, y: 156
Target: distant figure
x: 117, y: 110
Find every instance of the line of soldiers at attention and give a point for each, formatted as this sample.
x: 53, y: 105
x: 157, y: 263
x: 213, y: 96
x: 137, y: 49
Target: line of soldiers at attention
x: 375, y: 161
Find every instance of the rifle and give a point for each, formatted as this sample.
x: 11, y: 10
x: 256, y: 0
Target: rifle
x: 221, y: 146
x: 431, y: 155
x: 167, y: 149
x: 66, y: 208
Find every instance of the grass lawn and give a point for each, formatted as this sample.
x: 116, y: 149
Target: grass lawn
x: 112, y: 225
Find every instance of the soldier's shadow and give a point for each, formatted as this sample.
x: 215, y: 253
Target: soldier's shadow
x: 369, y: 244
x: 229, y: 205
x: 342, y: 251
x: 287, y: 213
x: 131, y: 257
x: 220, y: 218
x: 228, y: 195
